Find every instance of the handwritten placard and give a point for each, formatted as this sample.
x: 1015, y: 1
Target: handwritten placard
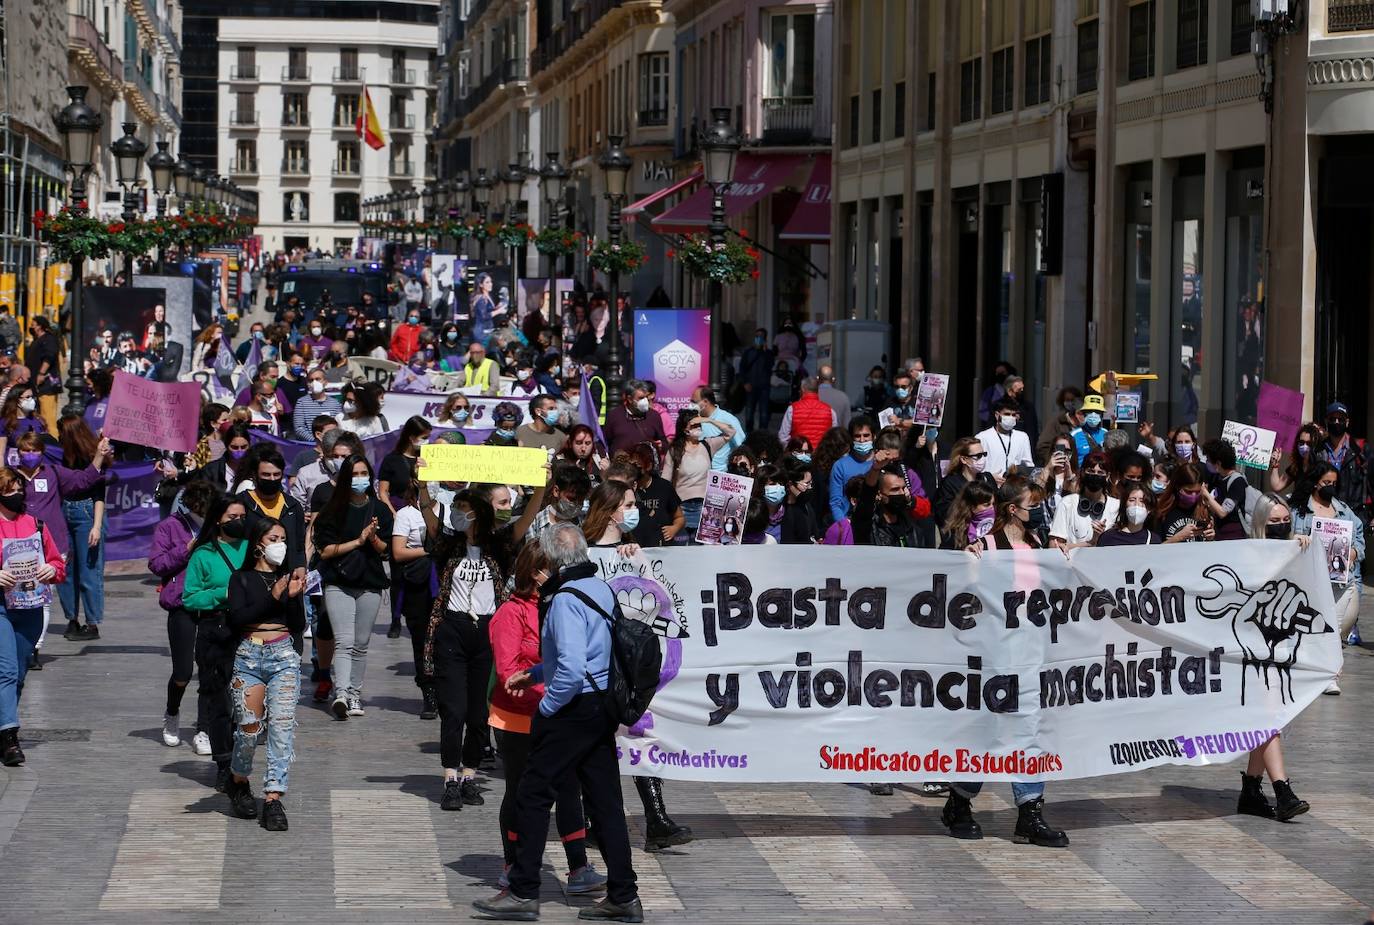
x: 160, y: 415
x: 497, y: 465
x: 1254, y: 445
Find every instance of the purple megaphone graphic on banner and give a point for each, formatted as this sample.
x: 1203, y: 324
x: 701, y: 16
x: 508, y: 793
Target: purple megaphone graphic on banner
x: 646, y: 600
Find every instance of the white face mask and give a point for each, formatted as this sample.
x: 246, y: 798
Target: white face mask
x: 1008, y: 422
x: 316, y: 387
x: 349, y: 407
x: 1135, y: 514
x: 27, y: 404
x: 642, y: 406
x: 274, y: 554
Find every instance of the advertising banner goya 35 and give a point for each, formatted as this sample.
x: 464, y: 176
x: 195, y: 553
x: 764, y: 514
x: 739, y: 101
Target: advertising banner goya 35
x: 793, y: 663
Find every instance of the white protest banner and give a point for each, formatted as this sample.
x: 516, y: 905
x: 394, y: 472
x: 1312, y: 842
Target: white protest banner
x: 805, y: 663
x: 1254, y: 445
x: 930, y: 399
x: 1337, y: 538
x: 724, y: 508
x: 402, y: 405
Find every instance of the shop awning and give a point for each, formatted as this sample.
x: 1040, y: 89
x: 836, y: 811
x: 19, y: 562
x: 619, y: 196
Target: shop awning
x: 810, y: 220
x: 633, y: 209
x: 756, y: 175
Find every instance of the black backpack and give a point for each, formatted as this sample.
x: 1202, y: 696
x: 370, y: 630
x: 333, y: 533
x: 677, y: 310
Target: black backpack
x: 636, y: 660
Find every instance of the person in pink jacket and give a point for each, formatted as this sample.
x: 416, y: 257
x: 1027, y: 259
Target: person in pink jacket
x: 27, y: 572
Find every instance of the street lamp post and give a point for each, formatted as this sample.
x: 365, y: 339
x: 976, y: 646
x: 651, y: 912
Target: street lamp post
x: 615, y: 163
x: 719, y: 145
x: 462, y: 204
x: 552, y: 176
x: 128, y: 151
x: 481, y: 191
x: 163, y: 167
x: 514, y: 180
x: 429, y: 195
x: 78, y: 124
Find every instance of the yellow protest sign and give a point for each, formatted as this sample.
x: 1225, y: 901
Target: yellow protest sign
x: 499, y: 465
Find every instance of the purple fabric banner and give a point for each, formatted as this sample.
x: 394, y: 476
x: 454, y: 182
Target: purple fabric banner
x: 374, y: 447
x: 1280, y: 410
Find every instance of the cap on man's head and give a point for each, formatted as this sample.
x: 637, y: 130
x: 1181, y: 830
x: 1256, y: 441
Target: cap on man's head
x: 1337, y: 408
x: 1093, y: 403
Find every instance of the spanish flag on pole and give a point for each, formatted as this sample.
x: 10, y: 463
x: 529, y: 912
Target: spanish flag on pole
x: 368, y: 126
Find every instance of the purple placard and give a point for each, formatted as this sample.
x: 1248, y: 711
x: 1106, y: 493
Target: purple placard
x: 673, y: 349
x: 1280, y: 410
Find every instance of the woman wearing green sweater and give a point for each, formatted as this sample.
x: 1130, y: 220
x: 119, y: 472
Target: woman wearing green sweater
x: 216, y: 553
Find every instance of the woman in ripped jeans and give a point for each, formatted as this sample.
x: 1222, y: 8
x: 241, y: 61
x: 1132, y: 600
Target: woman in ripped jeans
x: 264, y: 611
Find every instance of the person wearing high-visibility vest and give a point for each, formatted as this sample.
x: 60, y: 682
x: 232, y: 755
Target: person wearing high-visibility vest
x: 479, y: 370
x: 596, y: 388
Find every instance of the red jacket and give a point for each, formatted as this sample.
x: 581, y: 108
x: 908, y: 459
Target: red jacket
x: 811, y: 417
x: 404, y: 342
x: 514, y: 632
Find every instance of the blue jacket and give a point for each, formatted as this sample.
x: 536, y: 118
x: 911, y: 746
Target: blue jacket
x: 1086, y: 441
x: 576, y: 640
x: 845, y: 468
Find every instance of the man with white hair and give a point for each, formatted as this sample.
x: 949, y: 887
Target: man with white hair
x: 832, y: 396
x: 573, y: 733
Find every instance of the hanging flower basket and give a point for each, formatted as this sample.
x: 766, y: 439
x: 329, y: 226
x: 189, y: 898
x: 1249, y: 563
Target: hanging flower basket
x: 76, y: 235
x: 623, y: 258
x: 731, y: 263
x: 557, y: 242
x: 514, y: 234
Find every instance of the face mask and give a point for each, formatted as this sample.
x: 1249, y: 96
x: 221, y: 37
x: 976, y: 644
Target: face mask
x: 30, y: 460
x: 896, y: 504
x: 863, y: 447
x: 1008, y: 422
x: 298, y: 370
x: 316, y: 387
x: 874, y: 381
x: 1183, y: 450
x: 1135, y: 514
x: 566, y: 510
x: 774, y: 494
x: 979, y: 526
x: 331, y: 466
x: 349, y: 407
x: 441, y: 495
x: 903, y: 393
x: 505, y: 433
x: 522, y: 374
x: 27, y: 405
x: 1094, y: 482
x: 257, y: 335
x: 461, y: 414
x: 1326, y: 493
x: 630, y: 520
x: 13, y: 503
x: 414, y: 319
x: 462, y: 521
x: 473, y: 360
x: 1304, y: 449
x: 1279, y: 531
x: 802, y: 457
x: 1092, y: 420
x: 551, y: 418
x: 317, y: 331
x: 234, y: 529
x: 1188, y: 498
x: 978, y: 465
x: 274, y: 554
x: 642, y: 406
x: 451, y: 336
x: 236, y: 455
x: 504, y: 516
x: 1336, y: 428
x: 268, y: 487
x: 360, y: 484
x: 1158, y: 486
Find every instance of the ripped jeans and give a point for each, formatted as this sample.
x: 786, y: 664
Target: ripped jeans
x: 275, y: 667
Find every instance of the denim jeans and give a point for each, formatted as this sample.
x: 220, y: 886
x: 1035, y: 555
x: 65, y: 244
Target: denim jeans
x: 277, y: 668
x: 1020, y: 793
x: 19, y: 631
x: 85, y: 566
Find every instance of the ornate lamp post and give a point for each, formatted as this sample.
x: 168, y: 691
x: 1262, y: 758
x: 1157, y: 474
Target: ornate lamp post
x: 552, y: 177
x: 514, y: 181
x: 461, y: 204
x: 198, y: 182
x: 616, y: 164
x: 163, y: 167
x: 182, y: 176
x: 481, y: 192
x: 78, y: 124
x: 428, y: 196
x: 128, y: 151
x: 719, y: 144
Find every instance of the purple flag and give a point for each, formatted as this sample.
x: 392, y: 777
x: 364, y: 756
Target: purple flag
x: 254, y: 359
x: 587, y: 409
x: 224, y: 361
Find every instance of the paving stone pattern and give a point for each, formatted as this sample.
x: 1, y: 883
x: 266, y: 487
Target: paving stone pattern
x: 106, y: 824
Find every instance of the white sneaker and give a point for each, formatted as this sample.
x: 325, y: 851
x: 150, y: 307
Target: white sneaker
x: 201, y: 744
x: 1333, y: 689
x: 308, y: 634
x: 355, y: 706
x: 171, y: 731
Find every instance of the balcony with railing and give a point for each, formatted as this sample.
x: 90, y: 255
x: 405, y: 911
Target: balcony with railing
x: 244, y: 167
x: 92, y: 54
x: 348, y: 169
x: 350, y: 75
x: 243, y: 73
x: 345, y: 121
x: 652, y: 117
x: 295, y: 74
x: 1349, y: 16
x: 295, y: 167
x: 401, y: 169
x: 403, y: 76
x: 571, y: 30
x: 788, y: 119
x: 401, y: 122
x: 243, y: 118
x: 295, y: 119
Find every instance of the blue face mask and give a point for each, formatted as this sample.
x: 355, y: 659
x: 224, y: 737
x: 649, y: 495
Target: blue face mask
x: 802, y: 457
x: 630, y: 520
x: 551, y: 418
x: 505, y: 434
x: 863, y: 448
x: 903, y: 393
x: 360, y: 484
x: 257, y: 335
x: 1159, y: 486
x: 460, y: 415
x: 298, y: 370
x: 1092, y: 420
x: 774, y: 494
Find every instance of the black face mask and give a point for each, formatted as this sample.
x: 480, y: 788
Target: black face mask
x: 1326, y: 493
x: 1094, y: 482
x: 896, y: 504
x: 1278, y: 531
x: 234, y: 529
x: 15, y: 504
x: 268, y: 487
x: 1336, y: 428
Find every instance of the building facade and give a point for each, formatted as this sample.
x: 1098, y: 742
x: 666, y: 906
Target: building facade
x: 1101, y: 184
